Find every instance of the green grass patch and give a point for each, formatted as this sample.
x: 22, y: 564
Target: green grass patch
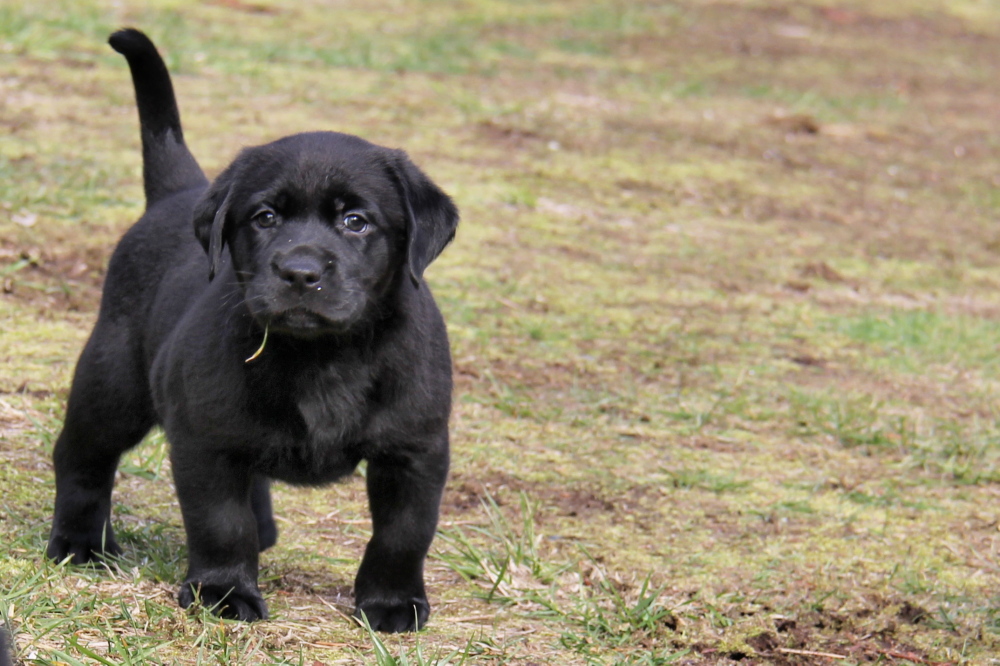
x: 911, y: 340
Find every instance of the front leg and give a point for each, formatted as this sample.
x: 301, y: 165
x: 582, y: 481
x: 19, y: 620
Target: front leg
x: 260, y: 502
x: 404, y: 493
x: 215, y: 497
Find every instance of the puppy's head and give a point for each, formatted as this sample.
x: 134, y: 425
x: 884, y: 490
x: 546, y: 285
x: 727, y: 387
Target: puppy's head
x: 321, y: 228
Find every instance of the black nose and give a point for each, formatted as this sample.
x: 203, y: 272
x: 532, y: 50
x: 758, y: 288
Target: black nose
x: 299, y: 272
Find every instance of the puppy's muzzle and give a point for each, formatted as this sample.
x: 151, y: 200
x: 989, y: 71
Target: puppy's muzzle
x: 300, y: 270
x: 303, y: 295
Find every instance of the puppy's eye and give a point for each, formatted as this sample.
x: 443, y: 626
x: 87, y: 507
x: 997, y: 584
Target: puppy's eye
x: 355, y: 224
x: 265, y: 219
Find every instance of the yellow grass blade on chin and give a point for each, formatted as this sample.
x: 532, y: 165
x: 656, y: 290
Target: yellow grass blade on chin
x: 260, y: 350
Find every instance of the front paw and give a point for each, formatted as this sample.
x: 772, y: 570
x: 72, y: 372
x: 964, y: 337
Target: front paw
x: 394, y: 617
x: 82, y: 547
x: 226, y: 601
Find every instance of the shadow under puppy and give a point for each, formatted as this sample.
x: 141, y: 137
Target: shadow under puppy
x: 286, y: 334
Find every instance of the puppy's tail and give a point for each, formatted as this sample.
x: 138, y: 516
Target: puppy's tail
x: 168, y: 166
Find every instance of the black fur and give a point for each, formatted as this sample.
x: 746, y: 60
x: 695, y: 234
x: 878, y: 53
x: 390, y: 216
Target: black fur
x: 318, y: 242
x: 5, y: 653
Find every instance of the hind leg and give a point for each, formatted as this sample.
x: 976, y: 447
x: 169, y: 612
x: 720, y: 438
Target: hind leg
x: 109, y: 411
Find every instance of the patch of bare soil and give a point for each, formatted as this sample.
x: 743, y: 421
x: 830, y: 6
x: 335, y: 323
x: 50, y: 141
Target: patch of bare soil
x: 324, y: 585
x: 57, y: 279
x: 778, y: 31
x: 557, y: 506
x: 508, y: 136
x: 872, y: 633
x: 465, y: 493
x: 522, y: 373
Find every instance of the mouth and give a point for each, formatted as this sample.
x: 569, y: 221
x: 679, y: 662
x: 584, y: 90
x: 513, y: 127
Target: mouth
x: 301, y: 322
x: 330, y: 311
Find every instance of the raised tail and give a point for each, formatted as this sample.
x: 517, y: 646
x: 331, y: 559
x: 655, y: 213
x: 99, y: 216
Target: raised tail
x: 167, y: 164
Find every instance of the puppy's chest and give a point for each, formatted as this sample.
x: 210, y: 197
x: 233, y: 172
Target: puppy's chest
x: 334, y: 408
x: 322, y: 425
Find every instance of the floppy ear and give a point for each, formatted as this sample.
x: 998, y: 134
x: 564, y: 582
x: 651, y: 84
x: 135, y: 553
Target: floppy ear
x: 210, y: 215
x: 431, y: 217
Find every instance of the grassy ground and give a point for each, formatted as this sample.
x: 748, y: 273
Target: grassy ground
x: 723, y: 308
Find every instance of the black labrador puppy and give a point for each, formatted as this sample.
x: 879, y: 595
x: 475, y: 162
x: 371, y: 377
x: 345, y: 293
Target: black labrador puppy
x: 277, y: 324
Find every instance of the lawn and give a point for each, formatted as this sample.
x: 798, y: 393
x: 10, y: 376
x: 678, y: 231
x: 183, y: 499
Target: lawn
x: 723, y: 306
